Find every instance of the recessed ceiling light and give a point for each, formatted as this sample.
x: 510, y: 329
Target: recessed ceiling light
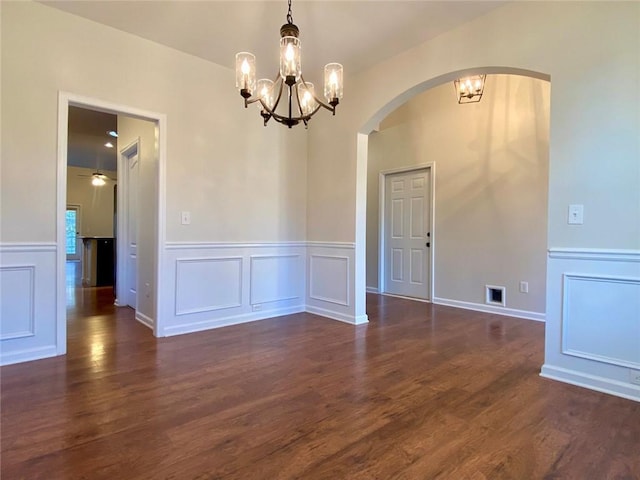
x: 108, y: 145
x: 112, y: 133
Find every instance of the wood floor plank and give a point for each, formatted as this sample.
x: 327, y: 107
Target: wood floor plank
x: 421, y: 392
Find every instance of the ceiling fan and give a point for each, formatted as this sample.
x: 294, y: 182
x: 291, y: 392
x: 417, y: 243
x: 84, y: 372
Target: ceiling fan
x: 98, y: 178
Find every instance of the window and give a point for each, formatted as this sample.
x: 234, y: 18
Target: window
x: 72, y: 222
x: 72, y: 229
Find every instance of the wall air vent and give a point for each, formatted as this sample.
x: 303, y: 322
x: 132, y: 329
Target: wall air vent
x: 495, y: 295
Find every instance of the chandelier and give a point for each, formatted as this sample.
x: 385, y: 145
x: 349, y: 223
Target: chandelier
x: 301, y: 99
x: 470, y: 89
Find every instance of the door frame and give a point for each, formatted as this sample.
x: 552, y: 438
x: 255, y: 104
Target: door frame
x: 122, y: 214
x: 65, y: 100
x: 431, y: 166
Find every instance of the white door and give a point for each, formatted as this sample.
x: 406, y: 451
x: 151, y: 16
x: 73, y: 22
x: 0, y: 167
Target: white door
x: 131, y: 194
x: 407, y: 236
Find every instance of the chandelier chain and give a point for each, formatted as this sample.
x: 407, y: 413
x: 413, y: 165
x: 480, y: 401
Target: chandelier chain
x: 289, y: 15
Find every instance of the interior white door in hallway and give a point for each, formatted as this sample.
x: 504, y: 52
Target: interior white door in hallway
x: 407, y: 239
x: 131, y: 195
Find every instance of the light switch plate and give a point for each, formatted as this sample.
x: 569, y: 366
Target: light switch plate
x: 185, y: 218
x: 576, y: 214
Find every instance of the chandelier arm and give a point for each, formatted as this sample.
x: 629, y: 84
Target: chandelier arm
x: 331, y: 108
x: 270, y: 110
x: 275, y: 104
x: 298, y: 100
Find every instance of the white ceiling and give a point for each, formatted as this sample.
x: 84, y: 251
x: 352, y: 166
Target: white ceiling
x: 87, y: 137
x: 357, y: 34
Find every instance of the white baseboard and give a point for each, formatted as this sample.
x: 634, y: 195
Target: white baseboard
x: 146, y: 321
x: 341, y: 317
x: 373, y: 290
x: 228, y: 321
x: 479, y: 307
x: 28, y: 355
x: 592, y: 382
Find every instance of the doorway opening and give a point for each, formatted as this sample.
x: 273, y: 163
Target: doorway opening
x: 106, y: 213
x: 489, y: 218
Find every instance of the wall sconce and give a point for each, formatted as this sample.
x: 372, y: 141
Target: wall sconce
x: 469, y: 89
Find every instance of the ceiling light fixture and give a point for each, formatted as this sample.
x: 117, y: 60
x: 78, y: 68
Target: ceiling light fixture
x: 98, y: 179
x: 470, y: 89
x: 302, y: 100
x: 108, y: 145
x: 112, y: 133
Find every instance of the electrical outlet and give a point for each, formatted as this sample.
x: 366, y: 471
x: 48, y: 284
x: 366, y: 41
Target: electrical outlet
x: 634, y: 376
x: 257, y: 307
x: 524, y: 287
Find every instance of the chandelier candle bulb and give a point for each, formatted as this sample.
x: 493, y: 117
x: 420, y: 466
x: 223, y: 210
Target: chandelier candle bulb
x: 265, y: 93
x: 245, y: 73
x: 306, y: 93
x: 333, y: 83
x: 290, y: 61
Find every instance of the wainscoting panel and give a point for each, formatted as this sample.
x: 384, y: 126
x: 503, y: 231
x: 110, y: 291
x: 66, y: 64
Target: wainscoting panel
x: 27, y: 302
x: 596, y: 307
x: 211, y: 285
x: 18, y: 301
x: 275, y: 278
x: 331, y: 280
x: 593, y: 319
x: 208, y: 284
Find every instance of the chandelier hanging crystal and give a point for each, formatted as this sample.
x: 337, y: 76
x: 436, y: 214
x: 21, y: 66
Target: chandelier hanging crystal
x: 302, y: 100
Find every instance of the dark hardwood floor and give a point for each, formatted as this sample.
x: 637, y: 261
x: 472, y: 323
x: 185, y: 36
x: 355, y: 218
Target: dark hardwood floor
x: 422, y: 392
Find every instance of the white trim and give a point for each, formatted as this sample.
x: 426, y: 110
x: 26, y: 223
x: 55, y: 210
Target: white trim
x: 205, y: 245
x: 415, y: 299
x: 592, y: 382
x: 478, y: 307
x: 231, y: 320
x: 28, y: 247
x: 144, y: 320
x: 65, y: 99
x: 373, y: 290
x: 382, y: 177
x: 274, y: 255
x: 606, y: 254
x: 122, y: 245
x: 344, y: 245
x: 28, y: 355
x: 341, y: 317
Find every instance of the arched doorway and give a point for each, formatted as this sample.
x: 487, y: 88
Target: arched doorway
x: 363, y: 163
